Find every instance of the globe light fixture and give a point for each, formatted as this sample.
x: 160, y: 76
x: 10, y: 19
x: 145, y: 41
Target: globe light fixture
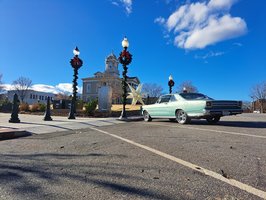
x: 125, y: 43
x: 76, y: 51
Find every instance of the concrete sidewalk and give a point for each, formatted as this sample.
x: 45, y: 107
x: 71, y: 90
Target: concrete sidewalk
x: 34, y: 124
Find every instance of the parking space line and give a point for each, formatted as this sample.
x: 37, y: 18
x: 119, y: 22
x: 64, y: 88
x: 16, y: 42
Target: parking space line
x: 232, y: 182
x: 210, y: 130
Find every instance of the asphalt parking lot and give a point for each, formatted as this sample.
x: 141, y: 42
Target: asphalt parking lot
x: 139, y: 160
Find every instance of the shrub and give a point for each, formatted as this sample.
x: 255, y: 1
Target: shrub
x: 5, y: 105
x: 79, y: 104
x: 42, y: 107
x: 34, y: 107
x: 90, y: 107
x: 24, y: 107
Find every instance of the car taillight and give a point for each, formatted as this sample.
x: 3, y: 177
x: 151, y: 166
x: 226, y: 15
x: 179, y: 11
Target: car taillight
x: 208, y: 104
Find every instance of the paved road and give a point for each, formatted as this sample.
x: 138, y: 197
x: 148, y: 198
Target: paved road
x: 34, y: 123
x: 138, y: 160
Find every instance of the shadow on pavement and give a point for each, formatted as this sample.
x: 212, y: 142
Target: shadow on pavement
x: 37, y: 175
x: 240, y: 124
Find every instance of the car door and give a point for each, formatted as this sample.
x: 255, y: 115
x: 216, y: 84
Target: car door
x: 172, y: 105
x: 159, y: 109
x: 163, y: 110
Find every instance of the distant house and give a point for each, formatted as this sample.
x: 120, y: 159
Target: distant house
x: 109, y: 77
x: 32, y: 96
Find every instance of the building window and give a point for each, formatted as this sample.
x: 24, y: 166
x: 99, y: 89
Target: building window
x: 88, y: 88
x: 30, y: 96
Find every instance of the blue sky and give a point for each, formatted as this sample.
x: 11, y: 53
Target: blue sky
x: 219, y: 45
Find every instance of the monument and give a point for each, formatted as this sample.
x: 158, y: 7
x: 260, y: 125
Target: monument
x: 105, y: 98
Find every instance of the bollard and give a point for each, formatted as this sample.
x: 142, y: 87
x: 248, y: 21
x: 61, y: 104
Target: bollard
x: 15, y: 109
x: 47, y: 115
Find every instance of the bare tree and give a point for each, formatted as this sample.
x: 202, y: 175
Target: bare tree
x: 63, y: 95
x: 152, y: 89
x: 1, y: 84
x: 258, y: 93
x: 22, y: 86
x: 188, y: 86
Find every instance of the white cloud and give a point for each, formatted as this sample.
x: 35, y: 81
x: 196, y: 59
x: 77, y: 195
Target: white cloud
x: 115, y: 3
x: 197, y: 25
x: 217, y: 30
x: 209, y: 55
x: 221, y: 4
x: 7, y: 87
x: 126, y: 4
x: 66, y: 88
x: 238, y: 44
x: 159, y: 20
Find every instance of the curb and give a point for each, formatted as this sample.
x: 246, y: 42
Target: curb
x: 7, y: 133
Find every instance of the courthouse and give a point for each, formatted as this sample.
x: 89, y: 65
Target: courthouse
x: 110, y: 77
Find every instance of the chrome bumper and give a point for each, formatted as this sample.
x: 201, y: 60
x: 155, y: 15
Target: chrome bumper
x: 223, y: 112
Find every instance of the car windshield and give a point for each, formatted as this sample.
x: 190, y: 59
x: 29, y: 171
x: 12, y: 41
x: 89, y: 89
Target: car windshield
x: 194, y: 96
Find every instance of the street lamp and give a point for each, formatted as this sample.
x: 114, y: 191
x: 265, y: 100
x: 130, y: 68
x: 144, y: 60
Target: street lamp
x: 125, y: 59
x: 76, y: 63
x: 171, y: 83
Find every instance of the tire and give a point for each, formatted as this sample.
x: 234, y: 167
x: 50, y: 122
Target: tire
x: 147, y: 117
x: 182, y: 117
x: 213, y: 120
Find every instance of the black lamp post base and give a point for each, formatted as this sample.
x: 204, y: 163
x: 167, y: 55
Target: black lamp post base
x: 123, y: 116
x: 47, y: 118
x: 14, y: 120
x: 71, y: 116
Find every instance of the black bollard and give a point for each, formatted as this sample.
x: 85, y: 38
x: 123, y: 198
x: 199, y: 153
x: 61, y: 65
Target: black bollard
x: 15, y: 109
x: 47, y: 115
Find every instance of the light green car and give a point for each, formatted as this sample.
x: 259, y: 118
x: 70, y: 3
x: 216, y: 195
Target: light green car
x: 186, y: 106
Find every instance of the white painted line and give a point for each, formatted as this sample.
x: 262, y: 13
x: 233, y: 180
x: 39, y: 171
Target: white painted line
x: 232, y: 182
x: 210, y: 130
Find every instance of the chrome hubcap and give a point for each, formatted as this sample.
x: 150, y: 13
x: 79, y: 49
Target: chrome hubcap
x: 146, y: 115
x: 181, y: 116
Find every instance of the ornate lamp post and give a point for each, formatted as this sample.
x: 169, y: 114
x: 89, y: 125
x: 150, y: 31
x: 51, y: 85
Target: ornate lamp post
x: 76, y: 63
x: 125, y: 59
x: 171, y: 83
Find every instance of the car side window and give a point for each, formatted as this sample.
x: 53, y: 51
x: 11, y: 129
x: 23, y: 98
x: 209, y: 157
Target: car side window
x: 158, y: 101
x: 165, y: 99
x: 173, y: 99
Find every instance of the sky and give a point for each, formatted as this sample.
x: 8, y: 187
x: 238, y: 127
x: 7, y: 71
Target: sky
x: 218, y: 45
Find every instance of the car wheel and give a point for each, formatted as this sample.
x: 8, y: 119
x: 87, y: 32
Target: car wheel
x: 181, y: 117
x: 147, y: 117
x: 213, y: 120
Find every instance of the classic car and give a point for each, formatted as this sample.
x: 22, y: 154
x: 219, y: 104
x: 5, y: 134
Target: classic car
x: 186, y: 106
